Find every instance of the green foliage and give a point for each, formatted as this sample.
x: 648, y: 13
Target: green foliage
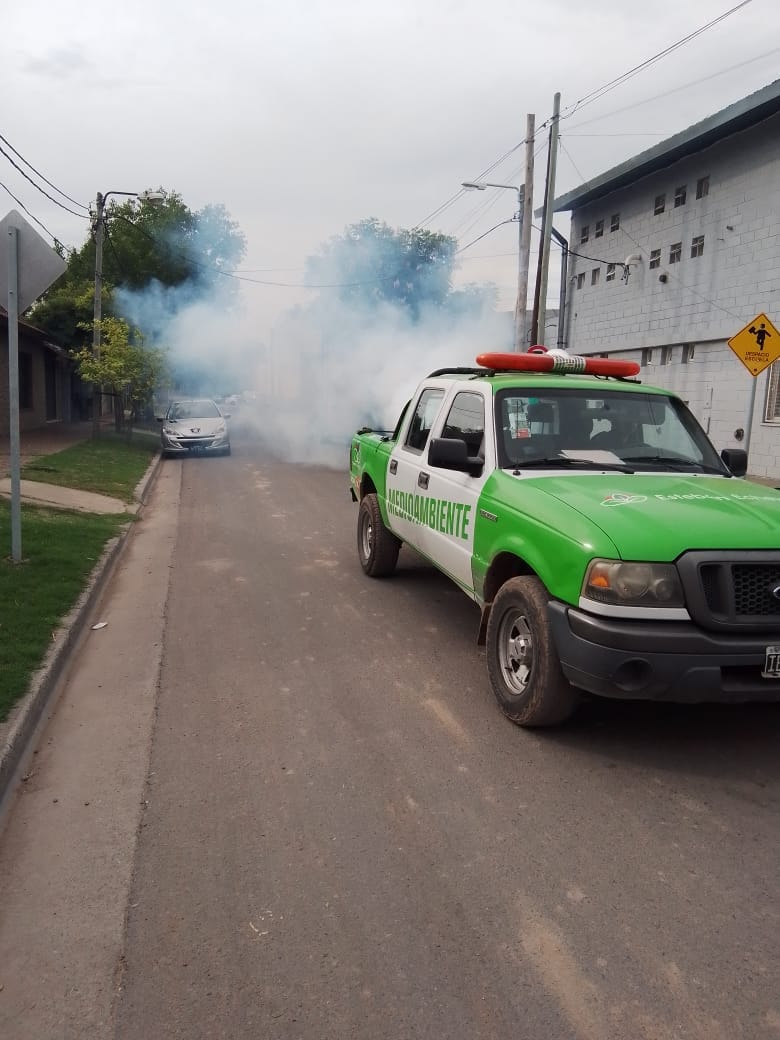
x: 143, y: 242
x: 60, y: 550
x: 374, y: 263
x: 125, y: 368
x: 108, y: 465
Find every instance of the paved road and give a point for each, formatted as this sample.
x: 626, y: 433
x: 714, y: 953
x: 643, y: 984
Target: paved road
x: 343, y: 837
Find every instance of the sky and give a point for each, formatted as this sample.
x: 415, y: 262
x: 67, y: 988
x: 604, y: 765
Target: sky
x: 305, y: 116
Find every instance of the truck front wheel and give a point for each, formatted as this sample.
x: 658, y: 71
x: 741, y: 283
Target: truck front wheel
x: 523, y: 665
x: 377, y: 547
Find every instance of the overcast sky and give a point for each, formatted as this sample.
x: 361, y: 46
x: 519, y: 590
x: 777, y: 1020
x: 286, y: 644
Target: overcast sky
x: 304, y: 116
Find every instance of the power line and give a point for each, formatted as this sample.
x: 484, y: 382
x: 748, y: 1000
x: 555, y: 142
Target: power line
x: 675, y: 90
x: 599, y: 92
x: 484, y: 234
x: 588, y: 99
x: 38, y: 187
x: 39, y: 174
x: 31, y: 215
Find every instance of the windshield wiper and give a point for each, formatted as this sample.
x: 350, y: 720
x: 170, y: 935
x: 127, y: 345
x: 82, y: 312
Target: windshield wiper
x: 672, y: 463
x: 561, y: 461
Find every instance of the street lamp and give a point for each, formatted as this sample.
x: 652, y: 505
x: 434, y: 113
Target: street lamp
x: 522, y: 257
x: 151, y: 196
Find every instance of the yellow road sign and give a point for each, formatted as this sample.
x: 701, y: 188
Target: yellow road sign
x: 757, y: 345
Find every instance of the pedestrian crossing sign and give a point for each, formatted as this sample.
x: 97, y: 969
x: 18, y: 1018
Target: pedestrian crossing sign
x: 757, y: 345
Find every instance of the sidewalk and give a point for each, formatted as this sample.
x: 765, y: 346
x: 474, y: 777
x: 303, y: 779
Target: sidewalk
x: 48, y: 440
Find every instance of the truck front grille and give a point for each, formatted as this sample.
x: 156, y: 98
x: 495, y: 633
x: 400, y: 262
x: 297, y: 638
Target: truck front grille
x: 733, y: 590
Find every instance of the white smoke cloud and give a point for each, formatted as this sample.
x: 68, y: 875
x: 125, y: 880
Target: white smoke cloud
x: 324, y: 371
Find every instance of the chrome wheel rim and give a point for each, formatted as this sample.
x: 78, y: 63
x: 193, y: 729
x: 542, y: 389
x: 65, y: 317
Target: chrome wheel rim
x: 516, y: 652
x: 366, y: 536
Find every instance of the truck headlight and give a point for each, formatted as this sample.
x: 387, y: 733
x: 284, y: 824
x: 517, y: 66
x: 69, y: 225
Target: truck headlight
x: 633, y: 584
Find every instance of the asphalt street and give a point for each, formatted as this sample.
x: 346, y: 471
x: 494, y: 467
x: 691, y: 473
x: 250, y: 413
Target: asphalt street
x: 341, y: 836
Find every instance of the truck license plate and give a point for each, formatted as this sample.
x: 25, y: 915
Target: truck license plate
x: 772, y: 663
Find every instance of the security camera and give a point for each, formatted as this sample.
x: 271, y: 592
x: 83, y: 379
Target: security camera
x: 635, y: 258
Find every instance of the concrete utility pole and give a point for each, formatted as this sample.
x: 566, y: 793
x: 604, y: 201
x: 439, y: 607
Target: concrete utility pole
x: 526, y: 218
x: 540, y: 302
x: 97, y: 392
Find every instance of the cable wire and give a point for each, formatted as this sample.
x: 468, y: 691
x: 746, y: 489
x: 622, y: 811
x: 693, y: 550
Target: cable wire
x: 39, y: 174
x: 39, y: 188
x: 599, y: 92
x: 31, y: 215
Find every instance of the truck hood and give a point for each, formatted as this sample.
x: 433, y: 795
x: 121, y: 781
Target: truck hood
x: 660, y: 516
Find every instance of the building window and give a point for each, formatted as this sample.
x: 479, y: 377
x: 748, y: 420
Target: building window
x: 680, y: 195
x: 595, y: 274
x: 647, y: 356
x: 666, y: 355
x: 610, y: 273
x: 697, y: 245
x: 25, y: 381
x: 702, y: 187
x: 580, y: 279
x: 688, y: 352
x: 660, y: 204
x: 599, y: 229
x: 675, y: 253
x: 614, y: 223
x: 772, y: 408
x: 585, y: 233
x: 655, y: 258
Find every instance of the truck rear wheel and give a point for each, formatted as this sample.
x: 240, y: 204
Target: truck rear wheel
x: 377, y: 547
x: 523, y: 665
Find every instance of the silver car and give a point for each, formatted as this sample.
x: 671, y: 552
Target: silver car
x: 195, y: 426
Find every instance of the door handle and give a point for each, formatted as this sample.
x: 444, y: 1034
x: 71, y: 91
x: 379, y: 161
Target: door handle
x: 394, y: 465
x: 423, y: 479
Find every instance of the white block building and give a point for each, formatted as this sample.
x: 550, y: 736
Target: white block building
x: 679, y: 248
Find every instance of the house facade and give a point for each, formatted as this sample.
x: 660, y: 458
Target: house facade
x: 677, y: 250
x: 45, y: 379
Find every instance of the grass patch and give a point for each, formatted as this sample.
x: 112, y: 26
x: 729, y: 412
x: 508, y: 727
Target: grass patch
x: 60, y: 549
x: 110, y: 465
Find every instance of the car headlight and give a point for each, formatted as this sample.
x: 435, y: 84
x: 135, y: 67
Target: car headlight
x: 169, y: 431
x: 633, y: 584
x: 222, y: 428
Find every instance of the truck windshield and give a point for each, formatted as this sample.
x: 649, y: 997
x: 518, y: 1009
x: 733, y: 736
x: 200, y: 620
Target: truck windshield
x: 601, y: 428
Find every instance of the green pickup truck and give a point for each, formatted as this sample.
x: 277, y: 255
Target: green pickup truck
x: 610, y: 548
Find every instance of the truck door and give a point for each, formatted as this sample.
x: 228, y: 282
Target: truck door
x: 404, y: 469
x: 448, y: 538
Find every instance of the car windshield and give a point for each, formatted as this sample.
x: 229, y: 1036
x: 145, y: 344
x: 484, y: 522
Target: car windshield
x: 600, y: 429
x: 194, y: 410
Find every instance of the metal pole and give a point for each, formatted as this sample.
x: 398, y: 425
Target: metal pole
x: 13, y: 392
x: 97, y: 393
x: 751, y: 409
x: 527, y: 212
x: 546, y: 228
x: 563, y: 243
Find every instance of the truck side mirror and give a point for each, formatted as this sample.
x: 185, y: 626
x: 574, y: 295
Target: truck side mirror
x: 453, y: 453
x: 736, y: 459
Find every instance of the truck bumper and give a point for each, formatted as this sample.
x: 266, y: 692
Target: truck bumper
x: 664, y: 661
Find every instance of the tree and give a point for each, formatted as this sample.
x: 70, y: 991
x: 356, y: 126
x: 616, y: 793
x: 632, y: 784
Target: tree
x: 127, y: 369
x: 371, y: 263
x: 143, y: 242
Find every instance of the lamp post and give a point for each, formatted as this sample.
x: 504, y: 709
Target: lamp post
x: 522, y: 262
x: 100, y: 207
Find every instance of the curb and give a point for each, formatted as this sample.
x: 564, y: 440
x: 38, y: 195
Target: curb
x: 30, y: 714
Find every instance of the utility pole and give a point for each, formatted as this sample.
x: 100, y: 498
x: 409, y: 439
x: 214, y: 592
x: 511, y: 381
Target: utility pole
x: 540, y: 301
x: 526, y: 217
x: 97, y: 392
